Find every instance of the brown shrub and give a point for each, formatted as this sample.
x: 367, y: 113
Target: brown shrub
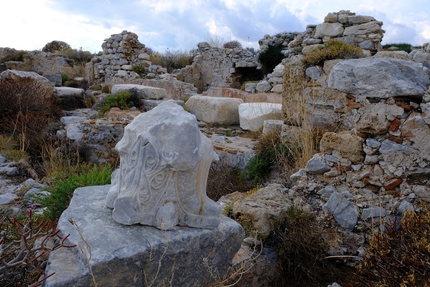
x: 232, y: 44
x: 26, y: 109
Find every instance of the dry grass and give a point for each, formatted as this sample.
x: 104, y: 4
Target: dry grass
x: 300, y: 133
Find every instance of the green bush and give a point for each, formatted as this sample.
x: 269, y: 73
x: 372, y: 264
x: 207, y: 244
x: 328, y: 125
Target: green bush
x: 55, y: 45
x: 122, y: 100
x: 138, y: 69
x: 62, y: 190
x: 270, y: 58
x: 400, y: 46
x: 332, y: 49
x: 271, y: 152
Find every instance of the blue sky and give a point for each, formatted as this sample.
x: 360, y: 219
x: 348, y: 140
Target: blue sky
x: 180, y: 25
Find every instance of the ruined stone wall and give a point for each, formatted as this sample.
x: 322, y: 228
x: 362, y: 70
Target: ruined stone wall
x: 218, y: 67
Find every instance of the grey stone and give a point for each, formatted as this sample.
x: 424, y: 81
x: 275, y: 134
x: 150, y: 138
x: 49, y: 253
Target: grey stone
x: 66, y: 92
x: 373, y: 143
x: 379, y: 78
x: 150, y: 104
x: 253, y: 115
x: 404, y: 206
x: 327, y: 191
x: 142, y: 92
x: 263, y: 87
x: 329, y: 29
x: 250, y: 87
x: 9, y: 170
x: 422, y: 192
x: 367, y: 44
x: 2, y: 159
x: 124, y: 255
x: 272, y: 126
x: 8, y: 197
x: 54, y: 78
x: 388, y: 146
x: 15, y: 75
x: 313, y: 72
x: 72, y: 119
x: 364, y: 29
x: 277, y: 89
x: 298, y: 175
x: 344, y: 212
x: 374, y: 211
x: 317, y: 164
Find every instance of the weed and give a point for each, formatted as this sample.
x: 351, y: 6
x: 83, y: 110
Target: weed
x: 122, y: 100
x: 26, y: 109
x: 62, y: 190
x: 270, y: 58
x: 138, y: 69
x: 271, y: 152
x: 398, y: 256
x: 105, y: 89
x: 302, y: 253
x: 332, y: 49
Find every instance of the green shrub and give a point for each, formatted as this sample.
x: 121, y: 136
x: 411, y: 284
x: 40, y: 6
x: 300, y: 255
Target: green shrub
x: 55, y: 45
x: 332, y: 49
x: 123, y: 100
x: 232, y: 45
x: 398, y: 255
x: 271, y: 152
x: 138, y: 69
x: 62, y: 190
x: 400, y: 46
x: 270, y: 58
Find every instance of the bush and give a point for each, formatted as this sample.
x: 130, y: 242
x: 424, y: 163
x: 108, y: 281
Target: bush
x: 332, y: 49
x: 62, y: 189
x: 55, y: 45
x: 122, y: 100
x: 18, y: 56
x: 270, y: 58
x: 398, y: 255
x: 24, y: 243
x: 172, y: 60
x: 302, y: 253
x: 77, y: 56
x: 271, y: 152
x: 138, y: 69
x: 400, y: 46
x: 232, y: 45
x: 26, y: 109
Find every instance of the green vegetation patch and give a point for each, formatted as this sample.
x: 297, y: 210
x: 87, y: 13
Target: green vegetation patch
x: 332, y: 49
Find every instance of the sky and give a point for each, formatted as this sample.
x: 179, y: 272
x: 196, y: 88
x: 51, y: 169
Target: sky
x: 178, y: 25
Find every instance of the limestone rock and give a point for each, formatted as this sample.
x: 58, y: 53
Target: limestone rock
x: 372, y: 27
x: 263, y: 86
x: 417, y: 132
x: 143, y: 92
x: 164, y: 164
x: 253, y: 115
x: 317, y: 164
x: 263, y: 210
x: 328, y: 29
x: 214, y: 110
x: 15, y: 75
x: 135, y: 252
x: 344, y: 212
x: 379, y: 78
x: 348, y: 145
x: 376, y: 118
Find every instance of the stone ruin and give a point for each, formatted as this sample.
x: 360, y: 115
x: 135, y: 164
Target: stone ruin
x: 161, y: 182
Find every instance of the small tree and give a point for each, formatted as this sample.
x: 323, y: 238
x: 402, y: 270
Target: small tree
x: 232, y: 44
x: 55, y: 45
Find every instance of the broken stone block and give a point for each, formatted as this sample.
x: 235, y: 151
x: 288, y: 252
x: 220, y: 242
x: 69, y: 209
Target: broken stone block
x: 142, y: 92
x: 348, y: 145
x: 164, y: 164
x: 253, y: 115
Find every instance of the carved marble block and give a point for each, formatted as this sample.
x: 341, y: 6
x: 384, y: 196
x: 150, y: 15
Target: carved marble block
x: 164, y: 164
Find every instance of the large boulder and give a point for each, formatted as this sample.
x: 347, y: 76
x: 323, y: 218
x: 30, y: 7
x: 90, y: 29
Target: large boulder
x: 135, y: 255
x: 214, y: 110
x: 253, y: 115
x: 16, y: 75
x: 70, y: 98
x: 379, y: 78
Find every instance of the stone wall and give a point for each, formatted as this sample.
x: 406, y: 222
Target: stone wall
x: 219, y: 67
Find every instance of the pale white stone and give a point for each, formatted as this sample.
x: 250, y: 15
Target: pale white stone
x: 164, y: 164
x: 253, y: 115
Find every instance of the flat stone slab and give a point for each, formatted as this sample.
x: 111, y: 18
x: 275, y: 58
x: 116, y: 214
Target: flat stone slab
x: 253, y: 115
x: 123, y: 255
x: 63, y: 92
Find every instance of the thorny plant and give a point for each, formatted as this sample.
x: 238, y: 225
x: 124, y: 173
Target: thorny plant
x: 23, y: 243
x: 399, y: 254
